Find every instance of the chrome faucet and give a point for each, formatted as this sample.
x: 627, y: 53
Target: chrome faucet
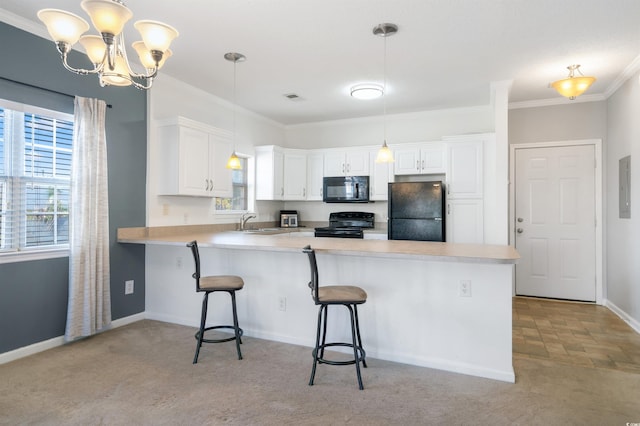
x: 245, y: 218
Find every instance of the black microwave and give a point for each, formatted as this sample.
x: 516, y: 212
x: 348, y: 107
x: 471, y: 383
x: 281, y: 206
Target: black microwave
x: 345, y: 189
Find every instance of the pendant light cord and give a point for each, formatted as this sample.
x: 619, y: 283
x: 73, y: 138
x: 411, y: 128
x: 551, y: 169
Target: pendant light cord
x: 384, y: 88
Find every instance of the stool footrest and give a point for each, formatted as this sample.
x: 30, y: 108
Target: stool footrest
x: 226, y: 339
x: 361, y: 354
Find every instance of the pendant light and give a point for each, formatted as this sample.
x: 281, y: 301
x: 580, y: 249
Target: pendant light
x: 573, y: 86
x: 385, y: 30
x: 234, y: 162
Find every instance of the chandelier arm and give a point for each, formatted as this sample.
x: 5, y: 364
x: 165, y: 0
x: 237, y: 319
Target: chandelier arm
x: 79, y: 71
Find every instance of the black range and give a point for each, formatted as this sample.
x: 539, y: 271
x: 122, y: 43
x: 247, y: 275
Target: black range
x: 347, y: 225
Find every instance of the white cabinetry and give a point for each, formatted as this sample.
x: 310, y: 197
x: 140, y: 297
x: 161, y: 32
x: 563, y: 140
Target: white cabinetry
x: 381, y: 175
x: 352, y: 162
x: 465, y: 221
x: 269, y: 173
x: 423, y: 158
x: 295, y: 174
x: 315, y: 173
x: 464, y: 183
x: 192, y: 159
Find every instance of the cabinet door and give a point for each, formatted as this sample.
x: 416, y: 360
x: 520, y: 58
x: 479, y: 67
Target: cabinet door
x: 295, y: 176
x: 269, y: 173
x: 432, y: 158
x: 334, y: 163
x: 315, y: 169
x: 465, y: 221
x: 220, y: 150
x: 357, y: 163
x: 381, y: 175
x: 194, y: 162
x: 464, y: 169
x: 407, y: 161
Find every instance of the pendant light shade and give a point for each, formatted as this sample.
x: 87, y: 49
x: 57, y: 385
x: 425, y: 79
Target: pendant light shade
x: 573, y: 86
x: 385, y: 155
x: 234, y: 162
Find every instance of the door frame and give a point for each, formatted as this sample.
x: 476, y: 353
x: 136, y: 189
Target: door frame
x: 599, y: 202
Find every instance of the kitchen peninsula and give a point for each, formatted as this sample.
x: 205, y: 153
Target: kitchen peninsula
x: 437, y: 305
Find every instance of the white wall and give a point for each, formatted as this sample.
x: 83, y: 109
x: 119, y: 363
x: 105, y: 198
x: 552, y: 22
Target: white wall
x: 401, y: 128
x: 623, y: 235
x: 170, y: 98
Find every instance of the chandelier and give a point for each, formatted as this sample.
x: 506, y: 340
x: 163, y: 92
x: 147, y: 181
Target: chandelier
x: 107, y: 52
x: 573, y: 85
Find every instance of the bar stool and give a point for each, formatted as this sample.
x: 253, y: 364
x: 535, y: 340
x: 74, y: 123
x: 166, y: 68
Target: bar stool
x: 347, y: 296
x: 212, y: 284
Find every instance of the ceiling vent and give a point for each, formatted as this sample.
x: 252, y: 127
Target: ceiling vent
x: 293, y: 97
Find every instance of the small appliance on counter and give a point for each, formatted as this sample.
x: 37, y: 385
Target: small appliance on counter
x: 347, y: 225
x: 288, y: 218
x: 416, y: 211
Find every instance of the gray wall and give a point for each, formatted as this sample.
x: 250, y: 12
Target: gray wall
x: 33, y: 295
x: 573, y: 121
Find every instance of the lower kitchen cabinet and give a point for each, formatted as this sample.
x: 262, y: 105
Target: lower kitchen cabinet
x: 465, y: 221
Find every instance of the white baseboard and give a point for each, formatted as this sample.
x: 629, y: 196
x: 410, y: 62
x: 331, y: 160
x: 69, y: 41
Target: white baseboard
x: 59, y: 341
x: 623, y: 315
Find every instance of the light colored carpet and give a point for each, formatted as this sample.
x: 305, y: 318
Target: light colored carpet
x: 142, y: 374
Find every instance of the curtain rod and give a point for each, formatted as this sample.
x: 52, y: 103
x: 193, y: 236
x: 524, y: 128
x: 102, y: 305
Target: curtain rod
x: 42, y: 88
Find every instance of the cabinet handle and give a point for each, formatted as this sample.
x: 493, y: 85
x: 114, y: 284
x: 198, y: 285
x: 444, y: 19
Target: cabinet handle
x: 342, y: 167
x: 282, y: 191
x: 348, y: 168
x: 417, y: 164
x: 206, y: 188
x: 448, y: 208
x: 211, y: 188
x: 304, y: 192
x: 422, y: 164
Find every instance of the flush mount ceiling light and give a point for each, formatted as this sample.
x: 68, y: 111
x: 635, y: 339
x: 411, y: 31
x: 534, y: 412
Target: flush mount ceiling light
x: 234, y: 162
x: 385, y: 30
x: 107, y: 52
x: 573, y: 85
x: 367, y: 91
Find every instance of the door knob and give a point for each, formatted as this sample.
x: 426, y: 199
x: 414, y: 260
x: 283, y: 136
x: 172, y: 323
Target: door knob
x: 519, y: 230
x: 520, y: 219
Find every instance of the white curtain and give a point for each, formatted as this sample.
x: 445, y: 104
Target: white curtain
x: 89, y: 308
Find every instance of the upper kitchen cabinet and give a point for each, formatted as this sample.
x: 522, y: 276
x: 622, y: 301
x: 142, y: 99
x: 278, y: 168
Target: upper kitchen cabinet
x: 349, y: 162
x: 315, y: 173
x: 192, y: 159
x: 295, y: 174
x: 464, y: 166
x: 422, y: 158
x: 269, y: 172
x: 381, y: 175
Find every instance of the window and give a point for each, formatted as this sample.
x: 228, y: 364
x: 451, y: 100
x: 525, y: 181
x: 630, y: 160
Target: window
x: 35, y: 175
x: 239, y: 201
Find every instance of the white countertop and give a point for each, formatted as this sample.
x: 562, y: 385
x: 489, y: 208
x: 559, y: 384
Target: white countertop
x: 296, y: 240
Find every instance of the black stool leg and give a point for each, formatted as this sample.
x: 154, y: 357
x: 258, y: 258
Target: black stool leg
x: 203, y: 320
x: 315, y: 351
x: 355, y: 346
x: 355, y: 310
x: 236, y: 328
x: 324, y: 332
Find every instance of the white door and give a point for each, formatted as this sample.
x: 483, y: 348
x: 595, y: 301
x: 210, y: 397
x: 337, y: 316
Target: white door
x: 555, y: 222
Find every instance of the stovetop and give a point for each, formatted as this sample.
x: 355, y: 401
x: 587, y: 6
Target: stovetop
x: 347, y: 225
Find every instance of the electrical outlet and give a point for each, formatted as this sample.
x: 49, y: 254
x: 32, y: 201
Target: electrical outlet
x: 282, y: 303
x: 128, y: 287
x: 465, y: 288
x: 179, y: 262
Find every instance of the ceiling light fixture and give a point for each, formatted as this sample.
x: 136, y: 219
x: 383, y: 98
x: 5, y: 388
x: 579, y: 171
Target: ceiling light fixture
x: 107, y: 52
x: 573, y: 86
x: 385, y: 30
x: 367, y: 91
x: 234, y: 162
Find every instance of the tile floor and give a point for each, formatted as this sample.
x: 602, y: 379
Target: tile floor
x: 574, y: 333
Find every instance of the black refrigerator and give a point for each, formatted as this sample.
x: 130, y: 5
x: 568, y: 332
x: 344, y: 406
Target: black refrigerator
x: 416, y: 211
